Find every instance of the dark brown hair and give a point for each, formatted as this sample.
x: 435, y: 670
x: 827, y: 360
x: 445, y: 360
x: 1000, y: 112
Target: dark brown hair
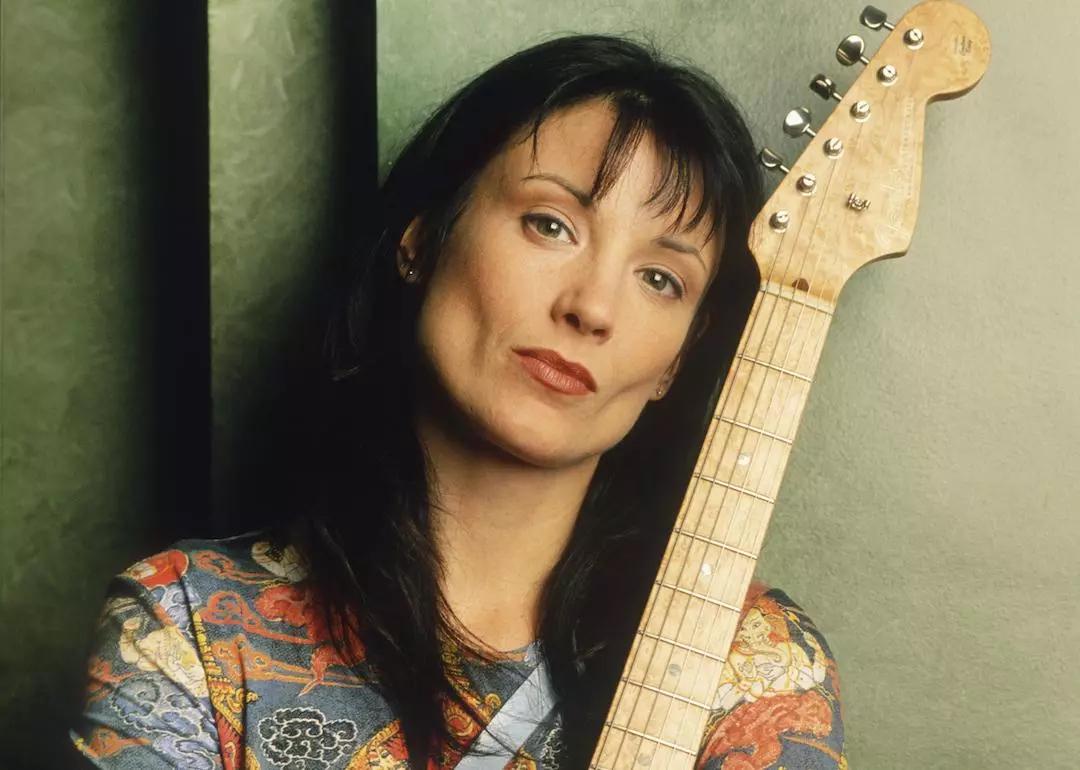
x: 369, y: 529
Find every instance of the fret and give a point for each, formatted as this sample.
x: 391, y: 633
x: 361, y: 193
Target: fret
x: 711, y: 541
x: 734, y: 488
x: 697, y: 565
x: 769, y: 365
x: 765, y: 398
x: 679, y: 645
x: 697, y: 595
x: 659, y: 691
x: 751, y: 429
x: 676, y: 615
x: 674, y: 669
x: 737, y: 520
x: 785, y: 334
x: 743, y: 459
x: 653, y: 739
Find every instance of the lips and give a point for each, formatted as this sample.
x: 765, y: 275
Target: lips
x: 580, y: 379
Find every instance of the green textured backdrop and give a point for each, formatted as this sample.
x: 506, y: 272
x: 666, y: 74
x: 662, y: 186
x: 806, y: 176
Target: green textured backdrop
x: 927, y: 517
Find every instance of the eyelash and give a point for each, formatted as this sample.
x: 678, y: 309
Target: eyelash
x: 534, y: 218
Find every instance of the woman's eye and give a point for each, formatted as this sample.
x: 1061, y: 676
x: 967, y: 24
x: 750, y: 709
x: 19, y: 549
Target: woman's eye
x: 547, y: 226
x: 661, y: 280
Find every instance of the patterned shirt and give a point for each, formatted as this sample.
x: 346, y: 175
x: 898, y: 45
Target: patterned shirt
x: 215, y: 654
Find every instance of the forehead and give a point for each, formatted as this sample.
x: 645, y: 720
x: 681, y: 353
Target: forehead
x: 572, y: 143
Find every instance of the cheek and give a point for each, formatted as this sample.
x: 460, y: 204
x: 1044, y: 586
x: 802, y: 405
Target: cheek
x: 472, y: 305
x: 648, y: 348
x: 475, y: 310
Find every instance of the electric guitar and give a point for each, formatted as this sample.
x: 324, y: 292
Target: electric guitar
x: 850, y: 199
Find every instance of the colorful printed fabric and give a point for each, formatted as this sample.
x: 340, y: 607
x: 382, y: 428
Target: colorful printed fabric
x: 215, y: 655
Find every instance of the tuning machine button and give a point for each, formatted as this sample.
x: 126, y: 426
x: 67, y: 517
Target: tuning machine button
x: 875, y: 18
x: 797, y: 123
x: 852, y: 49
x: 823, y: 86
x: 772, y: 161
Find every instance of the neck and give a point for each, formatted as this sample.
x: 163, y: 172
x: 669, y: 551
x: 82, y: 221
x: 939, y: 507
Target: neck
x: 661, y: 707
x: 500, y: 525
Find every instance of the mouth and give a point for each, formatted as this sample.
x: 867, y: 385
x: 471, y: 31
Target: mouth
x: 554, y: 371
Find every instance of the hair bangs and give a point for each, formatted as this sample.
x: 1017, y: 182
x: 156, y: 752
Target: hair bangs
x: 683, y: 158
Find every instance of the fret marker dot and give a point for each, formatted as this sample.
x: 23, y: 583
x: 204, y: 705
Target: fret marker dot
x: 743, y: 459
x: 674, y: 669
x: 706, y: 569
x: 644, y: 759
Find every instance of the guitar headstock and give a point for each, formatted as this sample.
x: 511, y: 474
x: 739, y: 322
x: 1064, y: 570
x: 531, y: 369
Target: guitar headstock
x: 852, y: 197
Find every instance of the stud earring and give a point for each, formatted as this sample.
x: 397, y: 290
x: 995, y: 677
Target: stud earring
x: 408, y: 271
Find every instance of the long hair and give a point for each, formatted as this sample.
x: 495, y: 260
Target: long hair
x: 369, y: 530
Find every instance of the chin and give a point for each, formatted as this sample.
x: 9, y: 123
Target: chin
x: 537, y: 439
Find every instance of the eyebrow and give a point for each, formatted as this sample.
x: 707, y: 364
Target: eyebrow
x: 587, y: 201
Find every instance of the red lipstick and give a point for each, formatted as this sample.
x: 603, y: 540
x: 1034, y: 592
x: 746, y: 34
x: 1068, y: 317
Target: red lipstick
x: 556, y: 372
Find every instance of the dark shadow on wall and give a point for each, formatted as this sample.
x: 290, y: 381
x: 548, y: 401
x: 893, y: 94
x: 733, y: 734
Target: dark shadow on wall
x: 161, y: 51
x: 259, y: 480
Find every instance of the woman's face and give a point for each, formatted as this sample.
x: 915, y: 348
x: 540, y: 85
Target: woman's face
x: 533, y: 265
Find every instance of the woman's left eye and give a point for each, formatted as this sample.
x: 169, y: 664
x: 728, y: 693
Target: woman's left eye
x: 666, y: 280
x: 547, y: 226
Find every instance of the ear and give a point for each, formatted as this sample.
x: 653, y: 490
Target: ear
x: 697, y: 329
x: 408, y: 246
x: 664, y: 384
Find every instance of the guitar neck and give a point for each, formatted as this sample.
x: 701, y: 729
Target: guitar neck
x: 664, y: 696
x: 851, y: 198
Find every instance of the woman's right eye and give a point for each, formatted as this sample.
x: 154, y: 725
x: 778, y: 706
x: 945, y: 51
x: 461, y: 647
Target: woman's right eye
x: 547, y: 226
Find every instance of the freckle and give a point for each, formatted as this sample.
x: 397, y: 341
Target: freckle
x: 801, y: 284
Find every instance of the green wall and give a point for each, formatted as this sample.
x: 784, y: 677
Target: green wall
x: 163, y: 230
x: 102, y: 330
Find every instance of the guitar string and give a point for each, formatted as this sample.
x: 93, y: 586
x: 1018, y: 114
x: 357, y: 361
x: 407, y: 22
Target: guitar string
x: 652, y: 609
x: 773, y: 403
x: 742, y: 396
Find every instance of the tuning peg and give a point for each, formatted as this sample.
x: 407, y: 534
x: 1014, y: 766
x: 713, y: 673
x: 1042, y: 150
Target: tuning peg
x: 875, y: 18
x: 824, y: 87
x: 772, y: 161
x: 851, y: 50
x: 797, y: 123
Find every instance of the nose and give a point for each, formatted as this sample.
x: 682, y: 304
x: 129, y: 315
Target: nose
x: 588, y: 299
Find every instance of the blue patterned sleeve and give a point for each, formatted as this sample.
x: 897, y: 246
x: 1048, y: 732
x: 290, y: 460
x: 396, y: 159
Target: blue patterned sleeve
x: 778, y: 704
x: 147, y: 703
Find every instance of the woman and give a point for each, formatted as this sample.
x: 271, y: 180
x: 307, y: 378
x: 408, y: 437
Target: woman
x: 522, y: 363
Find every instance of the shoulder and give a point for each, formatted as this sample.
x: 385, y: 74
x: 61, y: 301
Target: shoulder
x: 776, y: 604
x: 224, y: 643
x: 253, y: 557
x: 779, y: 694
